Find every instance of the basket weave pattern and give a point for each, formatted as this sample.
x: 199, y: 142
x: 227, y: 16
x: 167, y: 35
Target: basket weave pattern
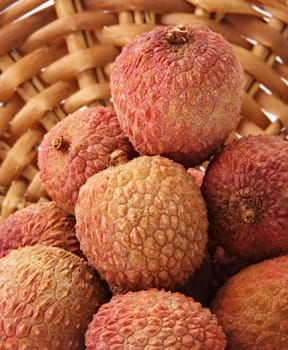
x: 56, y: 57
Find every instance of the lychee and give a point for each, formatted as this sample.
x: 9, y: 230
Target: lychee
x: 76, y: 148
x: 44, y: 223
x: 47, y: 299
x: 154, y: 319
x: 246, y: 191
x: 252, y: 306
x: 177, y: 91
x: 142, y: 224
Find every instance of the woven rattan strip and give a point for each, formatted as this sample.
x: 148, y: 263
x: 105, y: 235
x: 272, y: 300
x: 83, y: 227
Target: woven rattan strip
x: 56, y: 57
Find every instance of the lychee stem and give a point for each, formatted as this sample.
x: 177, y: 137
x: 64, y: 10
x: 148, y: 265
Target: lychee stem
x: 177, y: 35
x: 118, y: 157
x: 58, y: 143
x: 248, y: 215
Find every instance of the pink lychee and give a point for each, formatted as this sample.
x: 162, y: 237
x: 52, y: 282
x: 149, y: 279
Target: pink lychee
x: 40, y: 223
x: 76, y: 148
x: 178, y: 92
x: 154, y: 319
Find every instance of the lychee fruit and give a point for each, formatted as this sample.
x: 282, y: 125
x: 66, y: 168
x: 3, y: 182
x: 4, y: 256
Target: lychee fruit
x: 252, y: 306
x: 177, y: 91
x: 142, y: 224
x: 76, y: 148
x: 47, y: 299
x: 154, y: 319
x: 44, y: 223
x: 246, y: 190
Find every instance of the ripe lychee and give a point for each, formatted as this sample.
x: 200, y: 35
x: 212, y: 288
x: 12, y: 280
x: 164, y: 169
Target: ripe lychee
x: 178, y: 92
x: 154, y: 319
x: 44, y: 223
x: 246, y: 191
x: 142, y: 224
x: 47, y: 299
x: 252, y: 306
x: 76, y: 148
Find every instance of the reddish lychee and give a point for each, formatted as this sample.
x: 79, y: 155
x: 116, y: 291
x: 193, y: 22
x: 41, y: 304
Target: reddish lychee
x: 252, y: 306
x: 178, y: 91
x: 246, y: 191
x: 44, y: 223
x: 47, y: 299
x: 154, y: 319
x: 142, y: 224
x: 76, y: 148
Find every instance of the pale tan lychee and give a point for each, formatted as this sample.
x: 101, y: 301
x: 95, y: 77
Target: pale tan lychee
x: 142, y: 224
x: 178, y: 92
x: 47, y: 299
x: 76, y: 148
x: 252, y: 306
x: 44, y: 223
x: 154, y: 319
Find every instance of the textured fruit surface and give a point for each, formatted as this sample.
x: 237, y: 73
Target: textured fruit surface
x: 252, y: 306
x: 44, y: 223
x: 76, y: 148
x: 246, y: 191
x: 179, y: 98
x: 154, y: 319
x: 47, y: 299
x: 142, y: 224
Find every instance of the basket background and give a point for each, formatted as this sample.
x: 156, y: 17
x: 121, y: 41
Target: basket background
x: 56, y: 57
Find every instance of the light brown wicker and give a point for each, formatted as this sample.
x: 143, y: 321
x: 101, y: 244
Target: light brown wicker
x: 56, y: 56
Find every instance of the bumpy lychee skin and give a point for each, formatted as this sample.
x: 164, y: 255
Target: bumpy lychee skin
x: 178, y: 92
x: 142, y: 224
x: 246, y: 191
x: 154, y: 319
x: 252, y: 306
x: 44, y: 223
x: 47, y: 299
x: 76, y: 148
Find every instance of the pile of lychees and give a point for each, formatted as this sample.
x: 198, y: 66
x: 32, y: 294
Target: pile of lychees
x: 141, y: 245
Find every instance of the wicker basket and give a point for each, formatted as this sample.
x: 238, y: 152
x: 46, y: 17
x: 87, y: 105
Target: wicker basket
x: 56, y: 56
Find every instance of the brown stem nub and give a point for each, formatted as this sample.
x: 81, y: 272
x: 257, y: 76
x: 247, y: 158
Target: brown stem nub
x: 118, y: 157
x: 248, y: 215
x: 177, y: 35
x: 59, y: 143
